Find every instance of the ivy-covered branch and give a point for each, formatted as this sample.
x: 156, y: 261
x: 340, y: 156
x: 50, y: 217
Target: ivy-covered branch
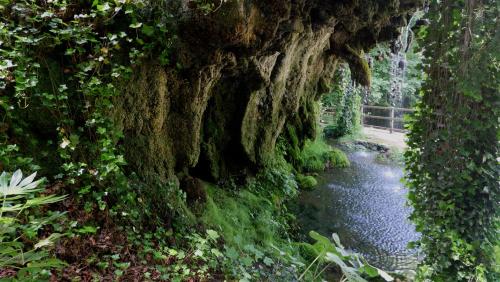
x: 453, y: 167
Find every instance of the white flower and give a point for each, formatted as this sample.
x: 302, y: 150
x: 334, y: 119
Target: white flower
x: 64, y: 143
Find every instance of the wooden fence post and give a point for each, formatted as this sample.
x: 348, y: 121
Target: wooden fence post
x: 392, y: 119
x: 362, y: 115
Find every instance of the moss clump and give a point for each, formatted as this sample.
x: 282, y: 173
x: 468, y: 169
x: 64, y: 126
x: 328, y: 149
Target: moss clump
x: 313, y: 156
x: 317, y: 155
x: 360, y: 70
x: 337, y: 158
x: 306, y: 182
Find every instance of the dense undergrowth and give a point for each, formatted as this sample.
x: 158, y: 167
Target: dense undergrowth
x: 112, y: 224
x: 237, y: 232
x: 62, y: 65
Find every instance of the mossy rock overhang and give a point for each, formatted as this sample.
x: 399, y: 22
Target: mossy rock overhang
x: 249, y: 70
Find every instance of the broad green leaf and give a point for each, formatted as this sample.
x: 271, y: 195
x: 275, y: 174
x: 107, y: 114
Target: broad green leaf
x: 16, y: 178
x: 212, y: 234
x: 148, y: 30
x: 49, y: 241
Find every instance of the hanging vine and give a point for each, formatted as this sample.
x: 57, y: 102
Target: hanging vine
x: 452, y: 162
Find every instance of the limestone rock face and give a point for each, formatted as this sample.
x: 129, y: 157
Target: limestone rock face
x: 247, y: 69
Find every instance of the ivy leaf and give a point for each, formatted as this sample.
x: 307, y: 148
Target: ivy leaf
x: 103, y: 8
x: 232, y: 253
x: 135, y: 25
x: 212, y: 234
x: 268, y: 261
x: 369, y: 270
x: 46, y: 14
x: 148, y: 30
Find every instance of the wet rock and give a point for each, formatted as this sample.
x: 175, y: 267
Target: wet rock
x: 372, y: 146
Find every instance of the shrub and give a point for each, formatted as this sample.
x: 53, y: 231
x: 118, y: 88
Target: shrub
x: 325, y: 252
x: 345, y: 101
x: 20, y: 247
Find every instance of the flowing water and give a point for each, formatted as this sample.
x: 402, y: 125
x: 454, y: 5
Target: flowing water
x: 366, y: 205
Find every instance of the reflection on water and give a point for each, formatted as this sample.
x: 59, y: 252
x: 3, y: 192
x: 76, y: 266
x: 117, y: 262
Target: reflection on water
x: 366, y: 205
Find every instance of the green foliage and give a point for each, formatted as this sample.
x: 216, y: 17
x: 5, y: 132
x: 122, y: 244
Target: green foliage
x: 235, y: 218
x: 62, y: 65
x: 208, y: 6
x: 251, y: 225
x: 337, y: 158
x: 380, y: 89
x: 65, y: 62
x: 344, y: 102
x: 306, y: 182
x: 317, y: 155
x: 150, y: 206
x: 353, y: 266
x: 20, y: 247
x: 201, y: 256
x: 452, y: 160
x: 313, y: 155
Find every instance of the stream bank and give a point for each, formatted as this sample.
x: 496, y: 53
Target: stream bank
x: 365, y: 204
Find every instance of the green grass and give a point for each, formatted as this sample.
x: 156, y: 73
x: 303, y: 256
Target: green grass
x: 242, y: 219
x: 254, y: 228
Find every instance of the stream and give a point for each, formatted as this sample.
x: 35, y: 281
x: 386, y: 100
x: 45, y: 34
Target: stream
x: 365, y: 204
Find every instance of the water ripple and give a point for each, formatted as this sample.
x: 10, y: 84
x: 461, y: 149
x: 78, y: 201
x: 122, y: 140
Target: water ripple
x: 366, y: 205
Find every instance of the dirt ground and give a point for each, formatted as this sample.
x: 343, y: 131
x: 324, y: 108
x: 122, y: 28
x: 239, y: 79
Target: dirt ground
x: 384, y: 137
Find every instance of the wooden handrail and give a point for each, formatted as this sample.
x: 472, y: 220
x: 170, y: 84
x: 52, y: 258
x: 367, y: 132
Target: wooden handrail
x: 391, y: 117
x: 381, y: 117
x: 388, y: 108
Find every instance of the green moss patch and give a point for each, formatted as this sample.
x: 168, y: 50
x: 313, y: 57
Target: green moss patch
x: 337, y: 158
x: 317, y: 156
x: 306, y: 182
x: 243, y: 218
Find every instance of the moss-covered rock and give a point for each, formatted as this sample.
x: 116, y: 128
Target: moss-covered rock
x: 306, y: 182
x: 249, y: 71
x: 337, y: 158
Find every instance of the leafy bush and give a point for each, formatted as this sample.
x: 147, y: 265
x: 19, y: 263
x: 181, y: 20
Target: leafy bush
x: 326, y: 253
x: 18, y: 233
x: 345, y: 102
x: 313, y: 155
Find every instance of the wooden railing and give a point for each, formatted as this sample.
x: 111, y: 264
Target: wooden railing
x: 394, y: 115
x: 391, y: 117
